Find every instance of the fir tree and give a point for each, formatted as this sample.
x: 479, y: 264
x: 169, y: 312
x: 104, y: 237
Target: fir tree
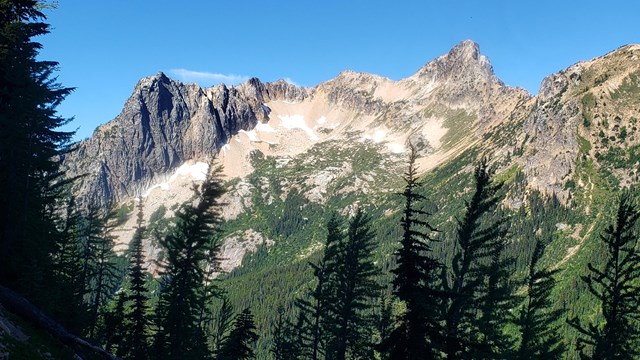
x: 539, y: 333
x: 385, y: 324
x: 184, y: 296
x: 136, y: 335
x: 68, y: 272
x: 84, y: 269
x: 495, y: 303
x: 99, y: 269
x: 419, y: 333
x: 221, y: 325
x: 285, y: 344
x: 478, y: 244
x: 616, y: 286
x: 354, y: 290
x: 301, y: 337
x: 115, y: 324
x: 241, y: 341
x: 315, y: 308
x: 29, y: 145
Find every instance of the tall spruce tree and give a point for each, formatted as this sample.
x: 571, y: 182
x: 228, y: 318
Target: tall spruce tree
x: 98, y: 263
x: 385, y: 324
x: 315, y: 308
x: 285, y: 344
x: 221, y: 324
x: 84, y: 269
x: 354, y: 291
x: 616, y: 287
x: 136, y: 340
x: 184, y: 295
x: 114, y: 326
x: 478, y: 243
x: 497, y: 299
x: 29, y: 144
x: 241, y: 341
x: 419, y: 333
x: 537, y: 322
x: 67, y: 270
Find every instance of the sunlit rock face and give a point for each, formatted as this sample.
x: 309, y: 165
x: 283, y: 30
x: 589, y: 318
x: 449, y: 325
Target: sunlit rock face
x: 168, y: 132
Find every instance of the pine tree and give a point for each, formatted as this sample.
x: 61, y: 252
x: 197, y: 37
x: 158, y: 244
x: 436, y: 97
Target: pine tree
x: 495, y: 303
x: 241, y: 341
x: 419, y: 333
x: 115, y: 324
x: 221, y: 324
x: 29, y: 145
x: 136, y: 332
x: 99, y: 268
x: 354, y: 290
x: 478, y: 244
x: 616, y: 286
x: 68, y: 273
x: 83, y: 268
x: 315, y: 308
x: 539, y: 333
x: 184, y: 296
x: 385, y: 324
x: 285, y: 344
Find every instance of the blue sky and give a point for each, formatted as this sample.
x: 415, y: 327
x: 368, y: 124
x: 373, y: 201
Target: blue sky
x: 105, y: 47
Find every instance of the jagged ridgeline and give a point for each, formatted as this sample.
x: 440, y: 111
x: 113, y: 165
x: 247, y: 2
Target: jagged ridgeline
x: 292, y: 155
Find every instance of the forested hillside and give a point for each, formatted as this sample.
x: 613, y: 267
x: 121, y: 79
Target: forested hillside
x: 443, y: 216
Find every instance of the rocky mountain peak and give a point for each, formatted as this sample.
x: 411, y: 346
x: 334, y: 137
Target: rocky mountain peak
x: 451, y: 102
x: 152, y: 81
x: 466, y: 49
x: 463, y: 61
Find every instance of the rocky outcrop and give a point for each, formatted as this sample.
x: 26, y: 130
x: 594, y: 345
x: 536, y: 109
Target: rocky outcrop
x: 588, y: 110
x: 551, y: 126
x: 164, y: 122
x: 464, y: 79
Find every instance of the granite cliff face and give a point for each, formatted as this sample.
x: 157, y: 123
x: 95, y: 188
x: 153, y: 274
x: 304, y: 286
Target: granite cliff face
x: 587, y: 113
x: 163, y: 124
x: 451, y: 104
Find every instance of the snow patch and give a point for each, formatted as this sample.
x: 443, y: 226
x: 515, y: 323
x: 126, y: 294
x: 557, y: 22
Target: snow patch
x: 197, y: 171
x: 264, y: 127
x: 396, y: 148
x: 252, y: 135
x: 377, y: 137
x: 297, y: 122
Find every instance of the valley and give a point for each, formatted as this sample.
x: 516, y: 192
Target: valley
x: 292, y: 155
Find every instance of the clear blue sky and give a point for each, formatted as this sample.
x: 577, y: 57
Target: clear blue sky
x: 104, y: 47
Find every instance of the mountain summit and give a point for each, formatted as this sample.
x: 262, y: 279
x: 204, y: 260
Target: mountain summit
x: 463, y: 60
x: 453, y: 103
x: 292, y: 155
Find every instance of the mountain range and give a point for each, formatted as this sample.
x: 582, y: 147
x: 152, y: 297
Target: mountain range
x: 292, y: 154
x: 451, y: 104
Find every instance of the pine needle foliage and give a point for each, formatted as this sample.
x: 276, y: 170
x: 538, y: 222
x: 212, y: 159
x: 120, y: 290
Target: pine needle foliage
x: 416, y: 282
x: 191, y: 249
x: 615, y: 285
